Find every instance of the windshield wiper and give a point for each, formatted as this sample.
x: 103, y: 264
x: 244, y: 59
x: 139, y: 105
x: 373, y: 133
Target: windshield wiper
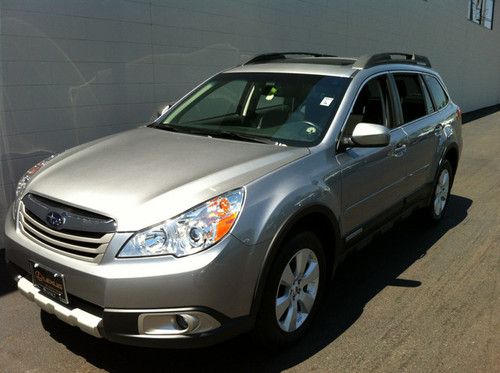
x: 218, y: 134
x: 169, y: 127
x: 236, y: 136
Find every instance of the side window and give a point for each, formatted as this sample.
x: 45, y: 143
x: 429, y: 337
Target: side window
x: 428, y: 101
x: 437, y: 92
x: 411, y: 96
x: 373, y: 105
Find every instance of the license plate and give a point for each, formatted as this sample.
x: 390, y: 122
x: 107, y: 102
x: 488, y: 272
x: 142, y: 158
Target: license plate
x: 50, y: 282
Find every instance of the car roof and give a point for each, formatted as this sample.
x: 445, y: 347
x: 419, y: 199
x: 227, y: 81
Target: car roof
x: 320, y: 64
x: 294, y: 67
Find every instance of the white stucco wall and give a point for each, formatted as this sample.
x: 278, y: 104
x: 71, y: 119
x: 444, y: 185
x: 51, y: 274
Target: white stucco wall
x: 75, y: 70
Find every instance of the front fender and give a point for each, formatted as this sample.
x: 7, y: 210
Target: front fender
x: 271, y: 200
x: 276, y: 202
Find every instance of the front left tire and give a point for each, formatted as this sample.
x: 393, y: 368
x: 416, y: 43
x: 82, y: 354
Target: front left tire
x: 293, y: 292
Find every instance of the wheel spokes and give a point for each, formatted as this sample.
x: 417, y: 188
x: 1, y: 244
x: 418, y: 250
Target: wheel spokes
x: 306, y: 301
x: 301, y: 262
x: 311, y: 275
x: 443, y: 202
x: 287, y: 277
x: 437, y: 207
x: 282, y: 304
x: 290, y: 321
x: 444, y: 179
x: 442, y: 191
x: 297, y: 290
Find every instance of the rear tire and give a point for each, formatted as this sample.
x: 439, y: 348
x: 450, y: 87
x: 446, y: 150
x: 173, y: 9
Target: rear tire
x: 293, y: 292
x: 440, y: 192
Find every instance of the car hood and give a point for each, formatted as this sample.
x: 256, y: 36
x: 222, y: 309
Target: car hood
x: 144, y: 176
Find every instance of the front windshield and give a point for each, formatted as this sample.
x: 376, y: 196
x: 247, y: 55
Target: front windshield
x: 286, y: 109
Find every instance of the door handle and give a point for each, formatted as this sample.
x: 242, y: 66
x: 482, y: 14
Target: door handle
x: 438, y: 129
x: 399, y: 150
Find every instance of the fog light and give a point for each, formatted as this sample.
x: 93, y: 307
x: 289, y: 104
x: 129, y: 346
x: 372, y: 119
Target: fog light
x: 176, y: 323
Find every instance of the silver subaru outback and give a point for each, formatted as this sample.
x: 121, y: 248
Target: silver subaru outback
x: 232, y: 210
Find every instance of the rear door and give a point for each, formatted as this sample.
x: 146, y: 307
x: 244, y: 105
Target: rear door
x: 421, y: 127
x: 372, y: 178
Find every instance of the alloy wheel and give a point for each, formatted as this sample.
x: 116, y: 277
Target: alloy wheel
x: 297, y: 290
x: 441, y: 192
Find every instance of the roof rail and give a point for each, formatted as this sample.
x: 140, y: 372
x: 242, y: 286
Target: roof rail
x: 366, y: 61
x: 282, y: 56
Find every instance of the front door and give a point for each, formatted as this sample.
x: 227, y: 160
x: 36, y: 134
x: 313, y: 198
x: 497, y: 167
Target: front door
x: 372, y: 178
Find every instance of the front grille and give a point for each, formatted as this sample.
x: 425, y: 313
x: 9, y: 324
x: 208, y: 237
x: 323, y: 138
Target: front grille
x: 88, y: 246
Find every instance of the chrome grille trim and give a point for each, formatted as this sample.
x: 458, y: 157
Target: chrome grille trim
x: 79, y: 248
x: 104, y: 239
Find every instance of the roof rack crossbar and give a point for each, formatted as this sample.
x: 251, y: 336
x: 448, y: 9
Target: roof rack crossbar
x: 367, y: 61
x: 282, y: 55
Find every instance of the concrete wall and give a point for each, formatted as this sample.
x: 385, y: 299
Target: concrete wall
x: 75, y: 70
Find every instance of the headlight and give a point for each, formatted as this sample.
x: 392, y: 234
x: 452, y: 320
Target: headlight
x: 25, y: 180
x: 190, y: 232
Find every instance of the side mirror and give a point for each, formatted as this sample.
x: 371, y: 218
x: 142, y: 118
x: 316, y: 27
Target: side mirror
x: 370, y: 135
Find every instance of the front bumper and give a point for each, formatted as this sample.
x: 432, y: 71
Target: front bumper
x: 84, y: 320
x: 124, y: 326
x: 108, y: 299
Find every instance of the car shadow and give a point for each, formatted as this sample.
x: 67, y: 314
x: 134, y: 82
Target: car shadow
x: 7, y: 285
x: 360, y: 278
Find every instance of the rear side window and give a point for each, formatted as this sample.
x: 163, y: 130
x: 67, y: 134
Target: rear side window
x: 438, y: 94
x: 411, y: 96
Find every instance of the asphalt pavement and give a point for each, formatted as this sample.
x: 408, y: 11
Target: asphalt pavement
x: 417, y: 299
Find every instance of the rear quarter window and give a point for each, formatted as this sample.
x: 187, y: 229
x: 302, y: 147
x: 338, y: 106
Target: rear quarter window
x: 411, y: 96
x: 437, y: 92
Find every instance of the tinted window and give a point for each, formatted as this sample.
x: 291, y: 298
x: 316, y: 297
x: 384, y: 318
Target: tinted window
x: 428, y: 101
x: 220, y: 101
x: 269, y: 101
x: 411, y: 96
x: 437, y: 92
x: 372, y: 106
x: 290, y: 109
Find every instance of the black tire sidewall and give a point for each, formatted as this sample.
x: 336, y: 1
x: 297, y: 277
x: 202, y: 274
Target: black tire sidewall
x: 267, y: 329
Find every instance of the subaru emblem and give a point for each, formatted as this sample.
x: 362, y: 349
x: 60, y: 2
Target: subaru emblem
x: 55, y: 219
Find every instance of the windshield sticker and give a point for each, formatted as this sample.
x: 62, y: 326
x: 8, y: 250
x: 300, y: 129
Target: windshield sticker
x: 326, y: 101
